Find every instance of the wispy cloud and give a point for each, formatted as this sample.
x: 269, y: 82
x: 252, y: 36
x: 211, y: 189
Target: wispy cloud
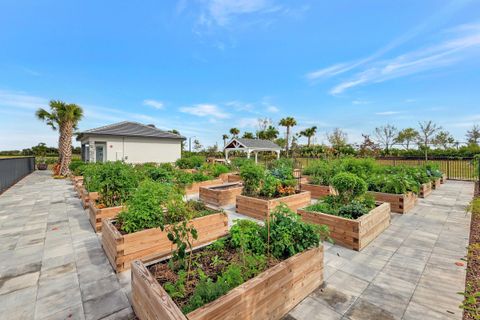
x: 463, y: 41
x: 154, y: 104
x: 387, y: 113
x: 204, y: 110
x: 22, y: 100
x: 247, y: 122
x: 272, y: 109
x: 360, y: 101
x: 240, y: 106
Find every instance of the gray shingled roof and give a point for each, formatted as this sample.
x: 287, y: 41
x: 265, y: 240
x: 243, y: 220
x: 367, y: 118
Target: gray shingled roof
x: 130, y: 129
x: 257, y: 143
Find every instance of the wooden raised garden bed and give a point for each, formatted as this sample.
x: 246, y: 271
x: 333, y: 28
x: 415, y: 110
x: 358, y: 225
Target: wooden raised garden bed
x: 234, y: 178
x: 87, y: 197
x: 97, y: 215
x: 221, y: 195
x: 270, y: 295
x: 399, y: 203
x: 261, y: 208
x: 443, y: 179
x: 146, y: 245
x: 353, y: 234
x: 436, y: 183
x: 195, y: 187
x: 425, y: 190
x: 318, y: 191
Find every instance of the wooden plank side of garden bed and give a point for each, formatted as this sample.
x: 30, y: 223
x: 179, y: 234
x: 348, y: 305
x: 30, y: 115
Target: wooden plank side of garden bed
x: 399, y: 203
x: 270, y: 295
x: 234, y: 178
x: 87, y: 197
x: 195, y: 187
x: 96, y: 215
x: 220, y: 197
x: 443, y: 179
x: 150, y: 300
x: 436, y: 183
x: 150, y: 244
x: 353, y: 234
x: 261, y: 208
x: 425, y: 190
x: 317, y: 191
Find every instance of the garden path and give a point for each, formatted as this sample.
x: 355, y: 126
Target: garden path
x: 52, y: 265
x: 413, y: 270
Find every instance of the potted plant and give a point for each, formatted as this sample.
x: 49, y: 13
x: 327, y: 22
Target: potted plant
x: 266, y: 189
x: 40, y: 152
x: 258, y: 272
x: 433, y: 171
x: 154, y: 211
x: 354, y: 218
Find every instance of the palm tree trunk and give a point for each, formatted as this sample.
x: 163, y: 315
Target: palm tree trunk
x: 308, y: 141
x: 66, y: 149
x: 288, y: 139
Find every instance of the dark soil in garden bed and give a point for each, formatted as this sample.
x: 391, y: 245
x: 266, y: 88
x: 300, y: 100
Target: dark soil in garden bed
x: 211, y: 262
x: 472, y: 284
x: 274, y: 198
x: 225, y: 186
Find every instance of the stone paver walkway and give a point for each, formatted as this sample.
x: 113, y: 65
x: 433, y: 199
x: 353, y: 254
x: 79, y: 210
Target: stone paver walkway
x: 408, y: 272
x: 52, y: 265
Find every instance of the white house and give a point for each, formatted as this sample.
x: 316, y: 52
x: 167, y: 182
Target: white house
x: 131, y: 142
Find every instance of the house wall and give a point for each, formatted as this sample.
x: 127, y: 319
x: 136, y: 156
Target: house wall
x: 136, y: 150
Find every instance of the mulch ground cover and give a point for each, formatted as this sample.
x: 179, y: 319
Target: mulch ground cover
x: 471, y: 303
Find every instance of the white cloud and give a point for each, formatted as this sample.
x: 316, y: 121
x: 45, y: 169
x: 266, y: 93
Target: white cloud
x: 360, y: 101
x: 204, y: 110
x: 240, y: 106
x: 387, y: 113
x: 154, y: 104
x: 272, y: 109
x: 21, y: 100
x: 440, y: 55
x: 329, y: 71
x: 221, y: 11
x: 247, y: 122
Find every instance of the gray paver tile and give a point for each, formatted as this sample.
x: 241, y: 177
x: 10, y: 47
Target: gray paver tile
x: 311, y: 309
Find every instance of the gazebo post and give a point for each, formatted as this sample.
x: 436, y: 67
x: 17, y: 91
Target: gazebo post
x: 226, y: 154
x: 248, y: 153
x: 278, y: 154
x: 256, y: 157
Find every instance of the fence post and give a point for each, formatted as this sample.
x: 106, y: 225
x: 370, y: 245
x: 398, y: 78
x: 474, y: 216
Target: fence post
x: 448, y: 169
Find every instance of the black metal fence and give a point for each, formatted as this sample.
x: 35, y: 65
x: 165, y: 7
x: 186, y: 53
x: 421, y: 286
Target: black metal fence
x: 14, y: 169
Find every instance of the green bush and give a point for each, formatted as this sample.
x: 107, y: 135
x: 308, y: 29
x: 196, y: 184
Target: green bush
x: 349, y: 186
x: 75, y: 167
x: 252, y: 176
x: 248, y: 236
x: 192, y: 162
x: 147, y: 206
x: 214, y: 169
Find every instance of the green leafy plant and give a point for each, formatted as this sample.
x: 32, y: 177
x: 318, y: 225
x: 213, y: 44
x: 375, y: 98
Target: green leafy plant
x: 349, y: 186
x: 191, y: 162
x: 252, y: 176
x: 248, y: 237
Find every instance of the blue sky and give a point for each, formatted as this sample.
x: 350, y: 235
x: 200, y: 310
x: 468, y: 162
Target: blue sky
x: 202, y: 67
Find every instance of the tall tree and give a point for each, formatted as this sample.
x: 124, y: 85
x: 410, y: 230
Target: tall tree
x: 248, y: 135
x: 443, y: 139
x: 337, y: 138
x: 386, y: 136
x: 406, y: 136
x: 368, y: 148
x: 309, y: 133
x: 428, y: 129
x: 234, y: 132
x: 197, y: 146
x: 225, y: 138
x: 288, y: 123
x: 269, y: 133
x: 473, y: 135
x: 64, y: 117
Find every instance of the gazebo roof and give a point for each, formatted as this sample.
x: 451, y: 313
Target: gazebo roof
x: 252, y: 144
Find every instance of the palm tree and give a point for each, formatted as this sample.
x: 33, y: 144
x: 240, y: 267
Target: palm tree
x: 64, y: 117
x: 248, y: 135
x: 309, y: 133
x: 288, y: 122
x: 234, y: 132
x: 225, y: 137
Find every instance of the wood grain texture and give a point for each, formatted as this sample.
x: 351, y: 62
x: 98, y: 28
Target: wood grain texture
x: 219, y: 197
x: 399, y: 203
x: 425, y: 190
x: 87, y: 196
x: 195, y: 187
x: 318, y: 191
x: 151, y: 244
x: 261, y: 208
x: 353, y: 234
x: 96, y: 215
x: 270, y: 295
x: 436, y: 183
x: 234, y: 178
x: 443, y: 179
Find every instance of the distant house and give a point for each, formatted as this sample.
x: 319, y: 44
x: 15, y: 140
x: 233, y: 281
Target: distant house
x: 131, y: 142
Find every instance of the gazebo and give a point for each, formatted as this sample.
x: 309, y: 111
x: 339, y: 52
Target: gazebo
x: 251, y: 146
